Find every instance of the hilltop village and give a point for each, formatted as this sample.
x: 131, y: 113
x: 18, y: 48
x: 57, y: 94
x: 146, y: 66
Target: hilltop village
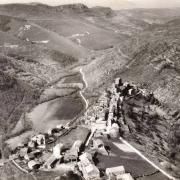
x: 112, y: 105
x: 76, y: 147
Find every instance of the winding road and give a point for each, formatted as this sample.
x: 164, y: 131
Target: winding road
x: 82, y: 96
x: 81, y: 92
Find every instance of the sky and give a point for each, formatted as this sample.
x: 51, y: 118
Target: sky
x: 114, y: 4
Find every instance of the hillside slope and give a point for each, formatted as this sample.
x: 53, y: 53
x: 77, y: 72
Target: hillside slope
x: 155, y: 61
x: 154, y: 65
x: 44, y: 51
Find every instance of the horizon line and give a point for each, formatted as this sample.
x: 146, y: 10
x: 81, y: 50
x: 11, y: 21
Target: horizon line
x: 56, y: 5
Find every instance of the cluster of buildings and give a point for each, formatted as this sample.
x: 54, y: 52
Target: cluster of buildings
x: 44, y: 152
x: 108, y: 115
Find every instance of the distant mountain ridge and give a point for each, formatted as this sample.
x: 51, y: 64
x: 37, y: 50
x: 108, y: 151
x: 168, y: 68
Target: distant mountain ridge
x: 38, y: 9
x: 35, y: 9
